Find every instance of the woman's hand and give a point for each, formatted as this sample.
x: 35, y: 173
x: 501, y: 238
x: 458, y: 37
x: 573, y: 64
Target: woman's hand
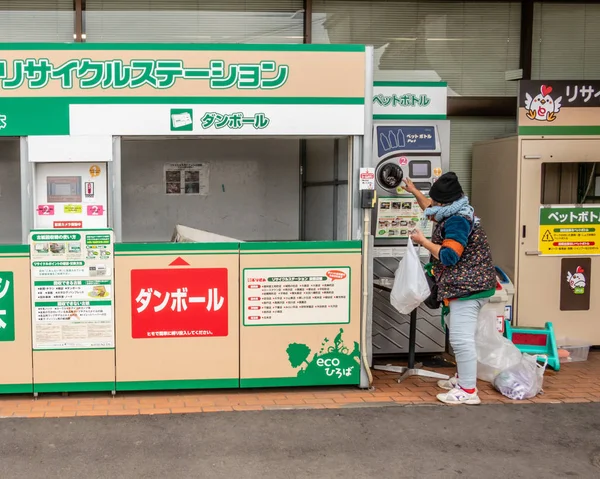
x: 409, y: 186
x: 418, y: 237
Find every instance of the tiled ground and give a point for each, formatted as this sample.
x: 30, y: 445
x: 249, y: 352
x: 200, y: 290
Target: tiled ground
x: 576, y: 382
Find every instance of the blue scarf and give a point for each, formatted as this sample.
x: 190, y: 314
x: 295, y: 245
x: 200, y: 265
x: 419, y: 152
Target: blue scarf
x: 459, y: 207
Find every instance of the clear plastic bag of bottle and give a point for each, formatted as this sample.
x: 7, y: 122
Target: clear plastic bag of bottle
x: 523, y: 380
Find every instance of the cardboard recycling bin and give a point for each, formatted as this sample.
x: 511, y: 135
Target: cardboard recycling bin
x: 177, y: 316
x: 300, y: 318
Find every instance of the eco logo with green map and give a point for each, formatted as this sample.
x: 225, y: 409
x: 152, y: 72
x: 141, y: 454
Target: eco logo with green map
x: 332, y: 364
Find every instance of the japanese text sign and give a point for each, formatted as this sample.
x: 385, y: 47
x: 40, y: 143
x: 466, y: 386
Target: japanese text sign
x: 573, y: 93
x: 559, y: 104
x: 566, y: 231
x: 259, y: 121
x: 169, y: 303
x: 158, y: 89
x: 404, y: 100
x: 295, y: 296
x: 72, y: 289
x: 181, y: 70
x: 87, y: 74
x: 405, y: 138
x: 367, y: 179
x: 7, y: 306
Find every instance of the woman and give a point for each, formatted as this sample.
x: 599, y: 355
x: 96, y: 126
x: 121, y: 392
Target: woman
x: 464, y: 273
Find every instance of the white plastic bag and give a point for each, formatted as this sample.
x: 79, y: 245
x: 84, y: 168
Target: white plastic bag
x: 410, y: 285
x: 523, y: 380
x: 495, y: 353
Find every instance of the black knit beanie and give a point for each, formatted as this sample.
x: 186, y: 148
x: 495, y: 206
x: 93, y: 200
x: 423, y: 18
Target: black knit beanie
x: 446, y: 189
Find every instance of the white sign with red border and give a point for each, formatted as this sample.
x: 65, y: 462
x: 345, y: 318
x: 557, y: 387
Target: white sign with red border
x: 367, y: 179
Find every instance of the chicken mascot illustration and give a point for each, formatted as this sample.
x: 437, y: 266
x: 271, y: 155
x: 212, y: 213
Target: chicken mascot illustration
x: 577, y: 280
x: 543, y: 107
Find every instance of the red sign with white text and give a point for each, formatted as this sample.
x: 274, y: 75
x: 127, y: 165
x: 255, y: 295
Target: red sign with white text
x: 179, y: 303
x: 67, y: 224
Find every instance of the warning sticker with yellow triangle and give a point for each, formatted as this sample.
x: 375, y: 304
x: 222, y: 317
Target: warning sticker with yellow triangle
x: 547, y: 236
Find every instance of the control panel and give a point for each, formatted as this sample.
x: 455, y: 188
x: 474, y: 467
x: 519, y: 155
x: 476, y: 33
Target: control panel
x: 403, y: 150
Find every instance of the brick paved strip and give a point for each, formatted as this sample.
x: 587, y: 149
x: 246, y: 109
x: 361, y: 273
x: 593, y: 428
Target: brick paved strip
x: 575, y: 383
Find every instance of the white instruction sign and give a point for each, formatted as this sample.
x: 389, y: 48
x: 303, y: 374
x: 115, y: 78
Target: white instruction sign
x: 72, y: 287
x: 367, y: 179
x: 397, y: 217
x: 296, y: 296
x: 186, y: 178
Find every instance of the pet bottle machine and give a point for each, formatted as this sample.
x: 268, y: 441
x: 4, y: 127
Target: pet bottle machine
x: 545, y: 203
x: 419, y: 151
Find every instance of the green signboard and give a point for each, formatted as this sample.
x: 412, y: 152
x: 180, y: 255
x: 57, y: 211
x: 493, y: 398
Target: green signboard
x: 569, y: 230
x: 7, y: 306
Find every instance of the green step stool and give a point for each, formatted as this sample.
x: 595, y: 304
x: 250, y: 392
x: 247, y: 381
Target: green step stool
x: 535, y: 341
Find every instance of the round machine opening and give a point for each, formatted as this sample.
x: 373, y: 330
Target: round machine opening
x: 390, y: 176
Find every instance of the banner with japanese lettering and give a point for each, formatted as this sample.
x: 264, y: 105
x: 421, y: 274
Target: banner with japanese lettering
x: 569, y: 230
x: 195, y: 88
x: 409, y: 100
x: 559, y: 107
x: 179, y: 303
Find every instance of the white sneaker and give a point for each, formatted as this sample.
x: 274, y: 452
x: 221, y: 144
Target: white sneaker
x: 448, y: 384
x: 459, y: 396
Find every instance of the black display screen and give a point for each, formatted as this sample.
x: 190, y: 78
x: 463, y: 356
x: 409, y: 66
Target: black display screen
x: 420, y: 169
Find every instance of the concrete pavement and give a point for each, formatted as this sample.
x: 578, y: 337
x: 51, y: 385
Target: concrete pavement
x: 493, y: 441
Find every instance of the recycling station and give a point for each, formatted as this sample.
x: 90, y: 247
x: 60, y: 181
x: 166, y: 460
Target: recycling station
x: 229, y: 216
x: 190, y: 216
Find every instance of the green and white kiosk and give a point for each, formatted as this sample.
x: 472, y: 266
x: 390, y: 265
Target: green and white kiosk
x: 117, y: 145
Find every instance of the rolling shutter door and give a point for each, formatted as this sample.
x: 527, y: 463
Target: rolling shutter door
x: 36, y: 21
x: 566, y: 40
x: 464, y: 131
x: 469, y: 45
x: 195, y: 21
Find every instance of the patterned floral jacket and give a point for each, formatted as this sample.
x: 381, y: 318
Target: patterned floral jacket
x: 474, y: 272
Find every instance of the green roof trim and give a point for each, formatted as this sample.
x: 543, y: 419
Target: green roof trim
x: 174, y: 247
x: 14, y: 249
x: 559, y: 130
x: 409, y: 117
x: 210, y: 100
x: 58, y: 101
x: 300, y: 245
x: 234, y: 47
x: 439, y: 84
